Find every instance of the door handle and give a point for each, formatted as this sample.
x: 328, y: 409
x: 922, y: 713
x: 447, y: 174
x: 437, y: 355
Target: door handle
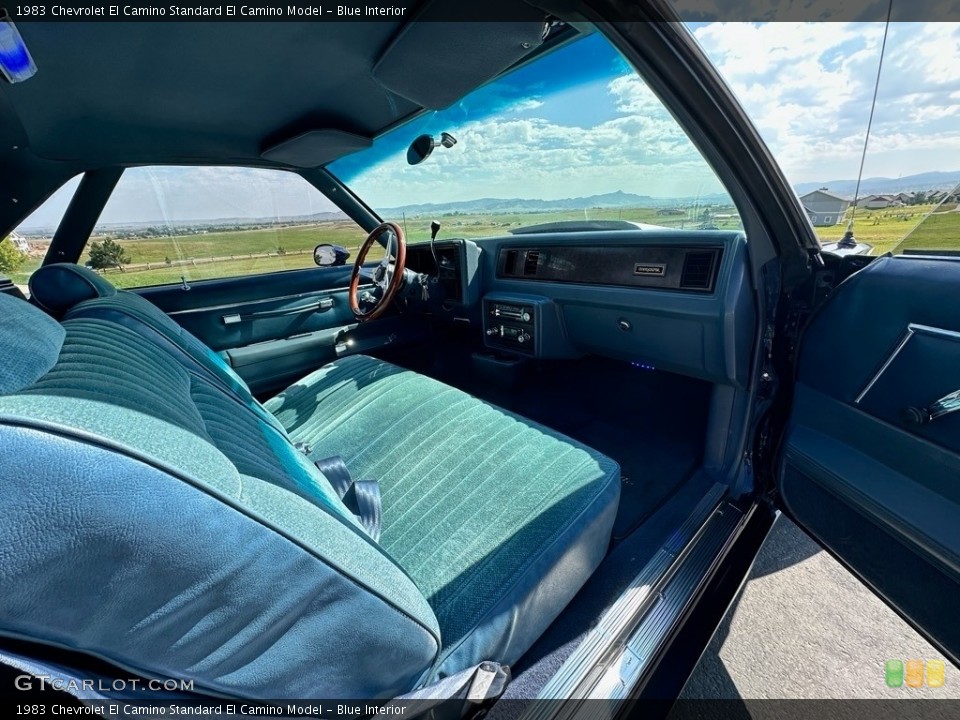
x: 924, y: 415
x: 316, y: 306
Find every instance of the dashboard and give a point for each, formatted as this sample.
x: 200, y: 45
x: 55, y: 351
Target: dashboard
x: 668, y: 299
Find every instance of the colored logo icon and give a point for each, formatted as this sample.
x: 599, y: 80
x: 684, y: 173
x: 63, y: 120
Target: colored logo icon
x: 894, y: 673
x: 936, y: 671
x: 912, y: 673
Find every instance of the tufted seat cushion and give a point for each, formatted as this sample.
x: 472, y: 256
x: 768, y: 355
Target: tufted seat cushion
x: 499, y: 520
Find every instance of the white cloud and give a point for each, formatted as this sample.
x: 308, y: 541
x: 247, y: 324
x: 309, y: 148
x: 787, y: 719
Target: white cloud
x: 638, y: 148
x: 534, y: 158
x: 808, y: 88
x: 525, y: 105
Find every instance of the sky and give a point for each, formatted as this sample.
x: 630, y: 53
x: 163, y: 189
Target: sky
x: 580, y: 122
x: 808, y: 88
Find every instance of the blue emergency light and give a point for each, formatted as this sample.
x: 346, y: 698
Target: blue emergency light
x: 16, y: 65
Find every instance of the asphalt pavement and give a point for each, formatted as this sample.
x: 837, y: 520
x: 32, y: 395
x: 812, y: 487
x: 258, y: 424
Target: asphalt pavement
x: 804, y: 628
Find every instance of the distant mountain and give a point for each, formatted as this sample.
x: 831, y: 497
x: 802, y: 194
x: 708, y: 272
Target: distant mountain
x: 618, y: 199
x: 882, y: 185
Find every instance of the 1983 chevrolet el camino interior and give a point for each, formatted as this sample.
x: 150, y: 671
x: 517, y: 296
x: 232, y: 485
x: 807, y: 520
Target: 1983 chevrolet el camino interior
x: 466, y: 438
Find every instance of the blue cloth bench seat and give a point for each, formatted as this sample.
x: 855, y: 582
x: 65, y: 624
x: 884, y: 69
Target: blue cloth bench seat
x: 158, y: 516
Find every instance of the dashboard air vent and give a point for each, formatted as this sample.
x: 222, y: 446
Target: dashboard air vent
x: 510, y: 263
x: 530, y: 262
x: 697, y: 273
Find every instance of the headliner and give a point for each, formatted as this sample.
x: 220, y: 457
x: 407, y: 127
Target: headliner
x: 130, y: 93
x: 113, y: 94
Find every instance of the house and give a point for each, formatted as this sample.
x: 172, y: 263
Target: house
x: 20, y: 243
x: 824, y: 207
x: 943, y: 197
x: 904, y: 197
x: 878, y: 202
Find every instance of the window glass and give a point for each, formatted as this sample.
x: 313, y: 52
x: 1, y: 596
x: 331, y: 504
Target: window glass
x: 809, y: 87
x: 26, y: 247
x: 172, y: 224
x: 574, y: 135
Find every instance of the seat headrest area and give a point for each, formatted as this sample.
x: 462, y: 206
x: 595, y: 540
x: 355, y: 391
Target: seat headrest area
x: 30, y: 342
x: 59, y: 287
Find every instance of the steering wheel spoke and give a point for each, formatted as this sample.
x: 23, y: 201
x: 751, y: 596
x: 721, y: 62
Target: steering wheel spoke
x: 387, y: 276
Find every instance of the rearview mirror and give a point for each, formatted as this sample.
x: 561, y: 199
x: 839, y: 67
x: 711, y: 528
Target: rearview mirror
x: 423, y: 145
x: 327, y: 255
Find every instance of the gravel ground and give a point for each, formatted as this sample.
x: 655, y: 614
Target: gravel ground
x: 804, y: 627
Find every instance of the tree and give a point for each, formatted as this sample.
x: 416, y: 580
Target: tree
x: 107, y: 253
x: 10, y: 256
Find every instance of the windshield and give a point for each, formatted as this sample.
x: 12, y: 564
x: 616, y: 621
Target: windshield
x: 574, y: 135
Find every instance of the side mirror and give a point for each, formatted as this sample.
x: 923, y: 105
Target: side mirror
x: 327, y: 255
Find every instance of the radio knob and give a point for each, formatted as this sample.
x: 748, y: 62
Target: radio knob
x: 493, y: 331
x: 525, y: 316
x: 522, y: 337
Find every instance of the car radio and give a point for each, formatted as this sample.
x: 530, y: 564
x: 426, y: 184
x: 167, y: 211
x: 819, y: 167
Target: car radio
x: 510, y: 326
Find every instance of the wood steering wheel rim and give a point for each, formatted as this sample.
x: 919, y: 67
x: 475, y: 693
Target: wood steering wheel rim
x: 395, y: 281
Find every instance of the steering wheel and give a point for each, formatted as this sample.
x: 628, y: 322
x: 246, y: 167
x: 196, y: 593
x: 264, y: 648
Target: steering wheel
x: 387, y: 276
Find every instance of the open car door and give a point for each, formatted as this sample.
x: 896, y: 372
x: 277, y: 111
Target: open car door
x: 870, y: 462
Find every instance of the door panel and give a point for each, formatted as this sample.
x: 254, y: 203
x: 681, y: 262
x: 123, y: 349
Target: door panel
x: 857, y: 470
x: 236, y: 324
x: 275, y: 328
x: 201, y: 308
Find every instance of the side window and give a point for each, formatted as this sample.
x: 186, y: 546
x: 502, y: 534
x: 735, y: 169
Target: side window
x: 24, y: 249
x: 171, y: 224
x: 890, y: 167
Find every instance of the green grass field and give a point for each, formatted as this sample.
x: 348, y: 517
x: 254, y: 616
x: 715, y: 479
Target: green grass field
x: 884, y: 229
x: 190, y: 255
x: 460, y: 225
x: 245, y: 252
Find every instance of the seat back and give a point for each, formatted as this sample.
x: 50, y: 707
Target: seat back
x: 72, y: 291
x: 152, y: 521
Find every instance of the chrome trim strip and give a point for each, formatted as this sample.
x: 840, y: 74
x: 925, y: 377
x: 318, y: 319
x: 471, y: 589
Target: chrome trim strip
x: 912, y: 329
x: 582, y: 669
x: 624, y: 671
x: 887, y: 363
x: 935, y: 331
x: 629, y: 656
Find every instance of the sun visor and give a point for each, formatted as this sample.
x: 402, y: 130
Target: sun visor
x: 435, y: 63
x: 315, y: 148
